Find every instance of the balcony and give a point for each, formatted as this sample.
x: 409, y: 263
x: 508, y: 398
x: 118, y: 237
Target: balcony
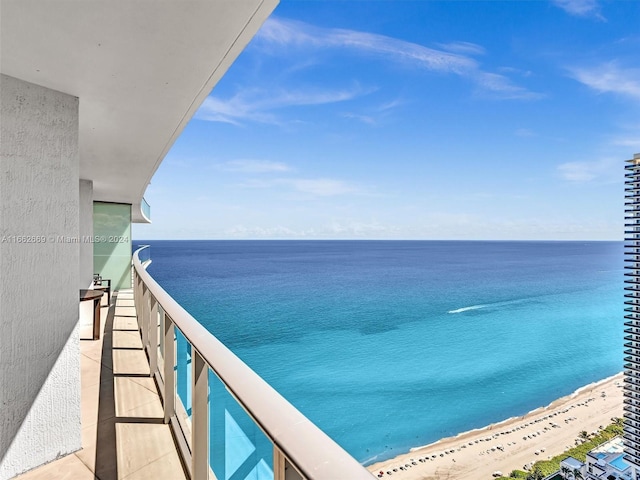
x: 204, y: 414
x: 226, y: 419
x: 123, y: 433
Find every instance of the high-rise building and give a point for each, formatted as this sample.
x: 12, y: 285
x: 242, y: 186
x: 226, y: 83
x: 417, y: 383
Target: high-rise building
x: 632, y: 312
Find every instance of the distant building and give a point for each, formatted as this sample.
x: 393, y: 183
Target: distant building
x: 632, y: 315
x: 605, y: 462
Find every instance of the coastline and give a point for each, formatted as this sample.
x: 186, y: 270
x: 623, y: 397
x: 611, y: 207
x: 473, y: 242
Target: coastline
x: 511, y: 443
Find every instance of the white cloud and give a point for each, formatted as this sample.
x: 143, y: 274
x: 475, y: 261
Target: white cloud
x: 606, y: 169
x: 580, y: 8
x: 463, y: 47
x: 500, y: 86
x: 257, y: 104
x: 295, y: 34
x: 253, y: 166
x: 324, y: 187
x: 278, y: 231
x: 610, y: 78
x: 517, y: 71
x: 374, y: 115
x: 631, y: 142
x: 368, y: 119
x: 261, y: 104
x: 317, y: 187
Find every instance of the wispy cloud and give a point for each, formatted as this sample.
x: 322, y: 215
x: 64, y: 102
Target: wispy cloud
x: 517, y: 71
x: 258, y: 105
x: 295, y: 34
x: 261, y: 104
x: 463, y: 48
x: 253, y: 166
x: 631, y: 142
x: 606, y: 169
x: 499, y: 86
x: 317, y: 187
x: 368, y: 119
x: 580, y: 8
x: 610, y: 78
x: 376, y: 114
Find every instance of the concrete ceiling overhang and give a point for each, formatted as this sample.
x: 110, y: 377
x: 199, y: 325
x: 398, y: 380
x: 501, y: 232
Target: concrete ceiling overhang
x: 140, y: 69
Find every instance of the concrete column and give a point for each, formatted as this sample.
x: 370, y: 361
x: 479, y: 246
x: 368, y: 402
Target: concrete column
x: 86, y: 232
x: 39, y: 276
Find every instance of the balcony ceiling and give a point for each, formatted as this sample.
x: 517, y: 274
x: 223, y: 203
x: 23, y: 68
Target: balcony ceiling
x: 140, y: 69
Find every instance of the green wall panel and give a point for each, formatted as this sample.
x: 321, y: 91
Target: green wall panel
x: 112, y: 243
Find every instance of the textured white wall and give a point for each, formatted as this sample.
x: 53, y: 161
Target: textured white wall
x: 86, y: 230
x: 39, y: 276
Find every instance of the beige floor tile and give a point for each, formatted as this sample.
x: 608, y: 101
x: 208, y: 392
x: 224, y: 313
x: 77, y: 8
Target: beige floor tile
x: 126, y: 303
x: 125, y: 323
x: 99, y: 449
x: 152, y: 411
x: 125, y: 311
x: 126, y: 339
x: 140, y: 444
x: 97, y: 403
x: 147, y: 382
x: 167, y: 467
x: 86, y: 332
x: 67, y: 468
x: 91, y: 372
x: 128, y: 362
x: 131, y: 395
x: 92, y: 348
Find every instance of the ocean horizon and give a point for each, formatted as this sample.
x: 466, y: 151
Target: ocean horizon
x: 390, y: 345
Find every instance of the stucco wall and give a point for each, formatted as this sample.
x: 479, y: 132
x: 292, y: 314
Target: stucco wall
x: 39, y: 276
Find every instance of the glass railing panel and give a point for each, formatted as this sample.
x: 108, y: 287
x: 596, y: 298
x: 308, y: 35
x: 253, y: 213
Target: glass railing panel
x: 238, y: 449
x: 183, y: 384
x: 146, y: 208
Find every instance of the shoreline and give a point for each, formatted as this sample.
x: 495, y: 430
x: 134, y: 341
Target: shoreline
x: 512, y: 442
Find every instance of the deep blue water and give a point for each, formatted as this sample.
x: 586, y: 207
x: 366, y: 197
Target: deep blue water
x: 387, y: 345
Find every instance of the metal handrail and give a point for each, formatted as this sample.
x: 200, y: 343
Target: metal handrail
x: 307, y: 448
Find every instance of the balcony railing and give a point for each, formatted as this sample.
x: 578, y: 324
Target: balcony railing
x: 146, y: 208
x: 227, y: 419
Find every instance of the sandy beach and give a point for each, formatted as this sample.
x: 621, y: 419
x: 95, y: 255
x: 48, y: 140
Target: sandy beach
x: 511, y: 444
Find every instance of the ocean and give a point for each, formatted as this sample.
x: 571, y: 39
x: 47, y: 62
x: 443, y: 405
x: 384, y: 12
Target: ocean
x: 389, y: 345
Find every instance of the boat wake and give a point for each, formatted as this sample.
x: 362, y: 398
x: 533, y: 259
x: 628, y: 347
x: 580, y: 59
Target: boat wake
x: 491, y: 305
x: 466, y: 309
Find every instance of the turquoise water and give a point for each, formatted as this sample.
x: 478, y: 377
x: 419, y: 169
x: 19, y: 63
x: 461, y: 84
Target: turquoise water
x: 391, y: 345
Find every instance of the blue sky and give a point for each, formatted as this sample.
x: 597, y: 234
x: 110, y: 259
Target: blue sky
x: 413, y: 120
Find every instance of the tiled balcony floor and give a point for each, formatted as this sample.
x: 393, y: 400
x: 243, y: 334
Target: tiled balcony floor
x: 123, y: 436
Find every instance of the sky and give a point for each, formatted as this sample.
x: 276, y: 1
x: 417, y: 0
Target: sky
x: 506, y: 120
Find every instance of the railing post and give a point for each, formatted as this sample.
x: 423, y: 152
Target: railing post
x: 169, y: 368
x: 278, y: 464
x: 199, y: 417
x: 282, y: 469
x: 153, y: 335
x: 136, y: 290
x: 143, y: 315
